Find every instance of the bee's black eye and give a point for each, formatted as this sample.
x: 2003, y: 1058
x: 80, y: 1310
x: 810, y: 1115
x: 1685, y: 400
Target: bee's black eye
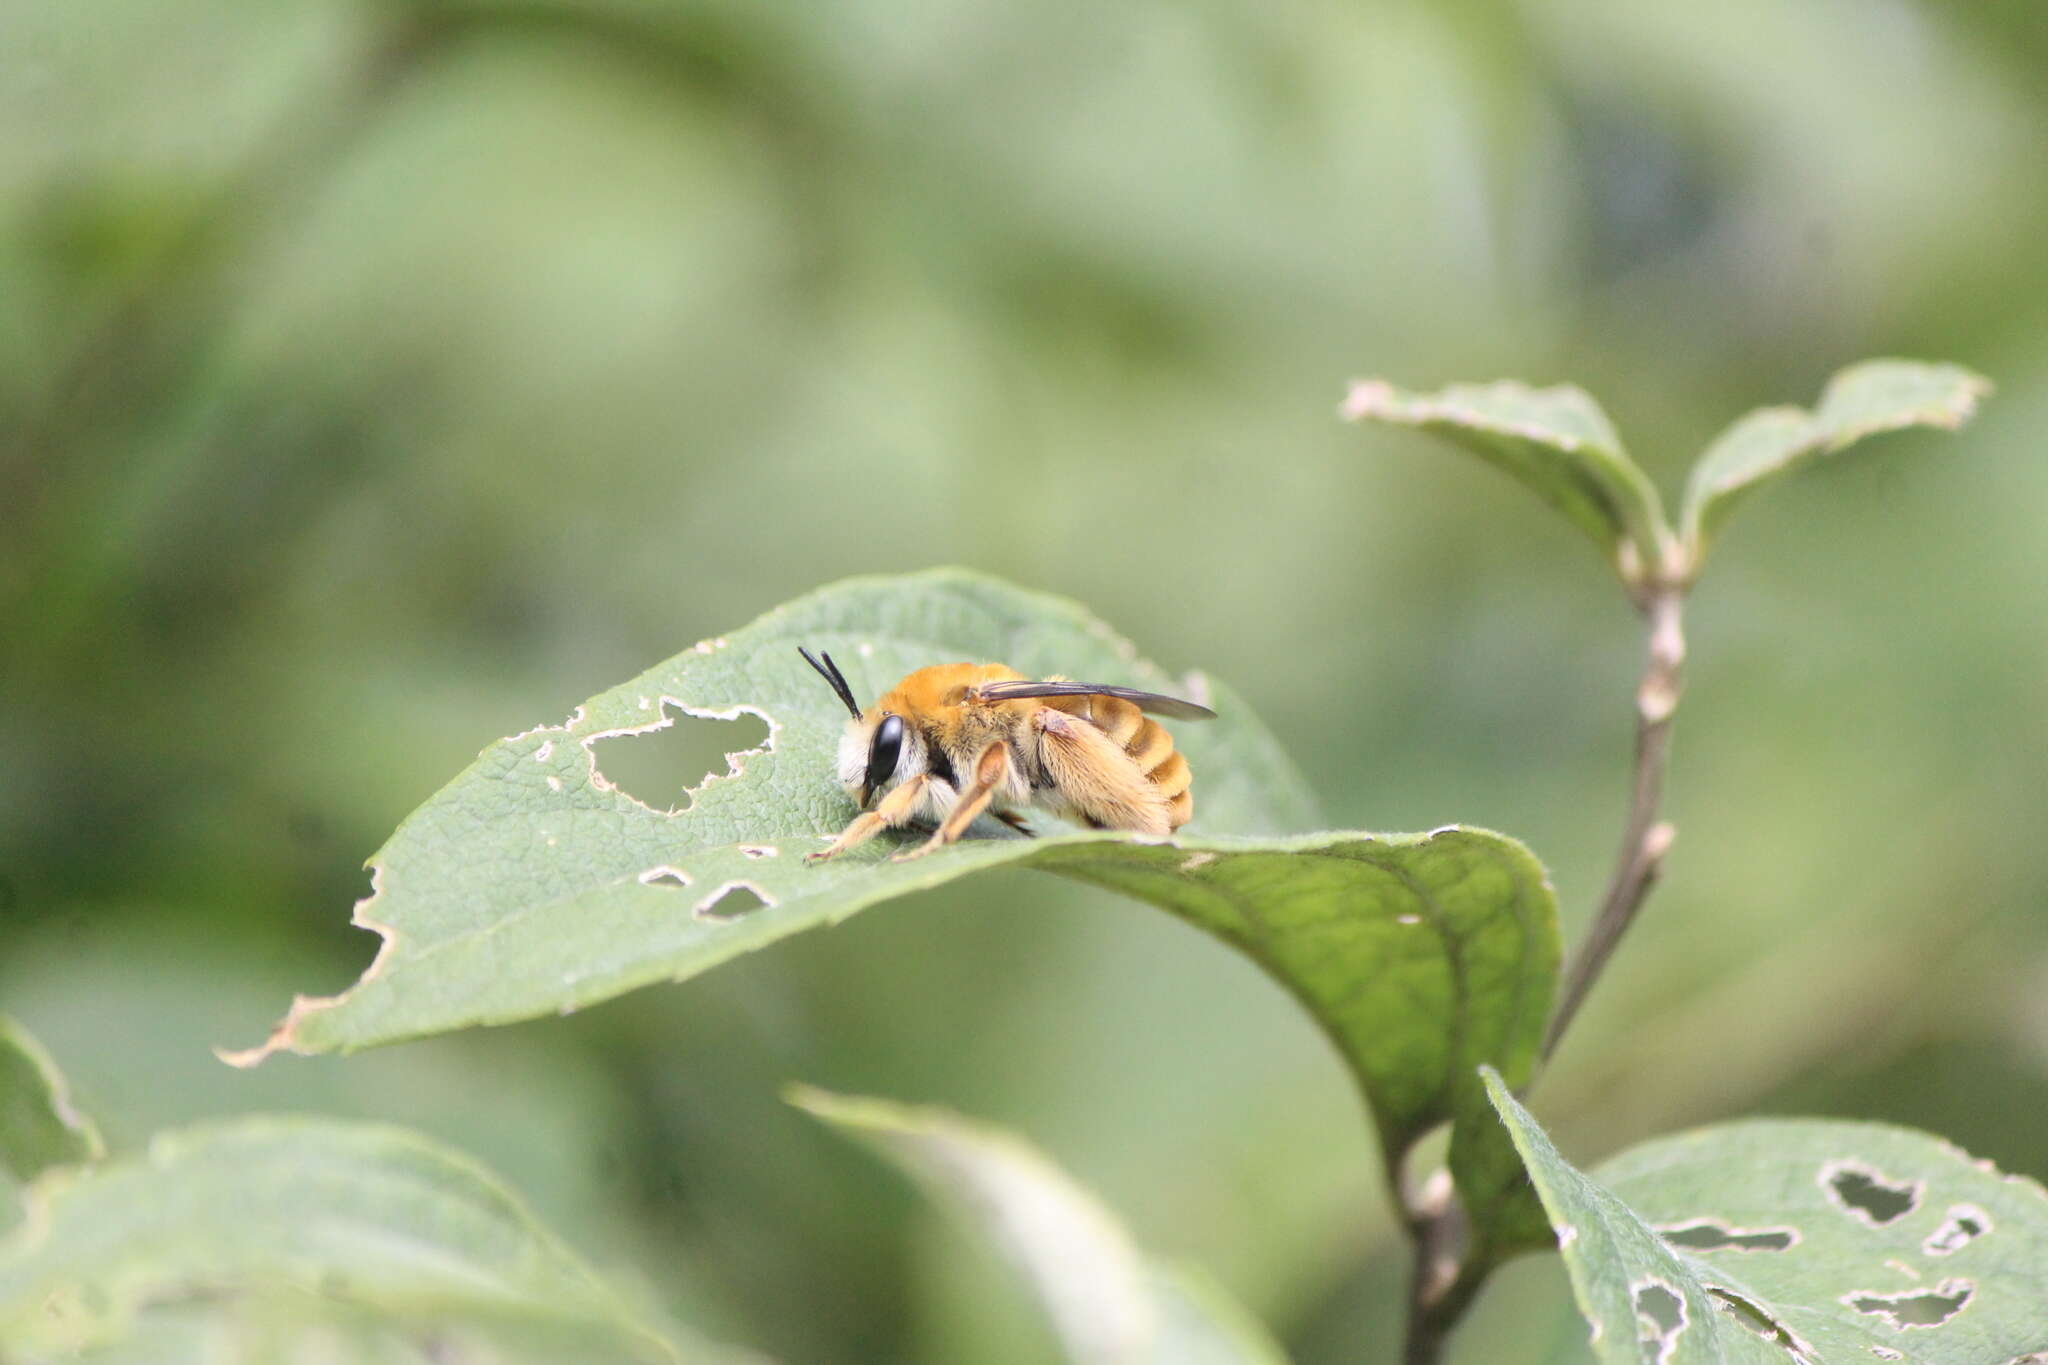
x: 887, y: 748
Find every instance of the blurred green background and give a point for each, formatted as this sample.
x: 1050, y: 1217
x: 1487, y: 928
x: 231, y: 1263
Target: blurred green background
x: 380, y: 379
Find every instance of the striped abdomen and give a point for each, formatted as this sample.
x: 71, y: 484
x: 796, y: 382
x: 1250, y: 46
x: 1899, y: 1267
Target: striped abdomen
x: 1145, y: 742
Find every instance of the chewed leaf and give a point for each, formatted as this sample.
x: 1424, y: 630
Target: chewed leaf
x: 258, y: 1218
x: 1556, y: 441
x: 38, y: 1127
x: 533, y: 884
x: 1645, y: 1305
x: 1108, y: 1304
x: 1803, y: 1239
x: 1863, y: 400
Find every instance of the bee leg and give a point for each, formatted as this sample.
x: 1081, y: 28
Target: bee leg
x: 1095, y: 778
x: 893, y: 811
x: 989, y: 771
x: 1015, y: 821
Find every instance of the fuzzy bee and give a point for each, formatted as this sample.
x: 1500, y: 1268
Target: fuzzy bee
x: 954, y: 740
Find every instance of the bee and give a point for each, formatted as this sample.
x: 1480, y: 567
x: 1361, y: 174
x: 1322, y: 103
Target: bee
x: 954, y: 740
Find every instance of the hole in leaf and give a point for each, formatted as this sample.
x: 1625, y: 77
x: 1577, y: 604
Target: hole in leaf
x: 665, y: 876
x: 1707, y: 1235
x: 1915, y: 1307
x: 1761, y: 1323
x: 662, y: 768
x: 2030, y: 1358
x: 1865, y: 1192
x: 1886, y: 1353
x: 1964, y: 1225
x: 1660, y: 1313
x: 731, y: 900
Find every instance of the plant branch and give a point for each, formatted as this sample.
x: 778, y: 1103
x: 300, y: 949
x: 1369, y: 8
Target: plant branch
x: 1444, y: 1279
x: 1447, y: 1274
x: 1646, y: 838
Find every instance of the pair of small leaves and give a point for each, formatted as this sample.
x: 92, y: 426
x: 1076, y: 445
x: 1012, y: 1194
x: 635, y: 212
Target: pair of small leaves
x: 1108, y: 1303
x: 279, y: 1239
x: 1559, y: 443
x: 531, y: 885
x: 1796, y: 1240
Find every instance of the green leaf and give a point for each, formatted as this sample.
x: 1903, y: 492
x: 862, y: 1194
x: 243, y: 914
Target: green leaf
x: 272, y: 1222
x: 297, y: 1328
x: 1808, y: 1239
x: 1556, y: 441
x: 38, y: 1127
x: 1863, y: 400
x: 1109, y: 1304
x: 530, y: 885
x: 1422, y: 956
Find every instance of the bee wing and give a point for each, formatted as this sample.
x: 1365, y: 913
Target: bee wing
x: 1144, y: 701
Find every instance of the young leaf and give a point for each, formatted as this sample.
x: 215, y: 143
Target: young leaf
x: 38, y: 1127
x: 1809, y: 1239
x: 1863, y: 400
x: 295, y: 1217
x: 1108, y: 1304
x: 1556, y: 441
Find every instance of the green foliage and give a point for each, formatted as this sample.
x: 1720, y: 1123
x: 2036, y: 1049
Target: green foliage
x: 531, y: 885
x: 1423, y: 956
x: 1556, y: 441
x: 1828, y: 1240
x: 1863, y: 400
x: 500, y: 340
x: 294, y: 1229
x: 38, y: 1127
x: 1561, y: 446
x: 1108, y: 1303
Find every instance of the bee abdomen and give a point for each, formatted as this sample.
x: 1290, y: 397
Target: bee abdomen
x: 1151, y: 748
x: 1146, y: 742
x: 1149, y: 745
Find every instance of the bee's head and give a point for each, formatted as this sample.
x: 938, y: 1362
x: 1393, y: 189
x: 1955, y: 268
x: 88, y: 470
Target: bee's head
x: 871, y: 750
x: 870, y: 755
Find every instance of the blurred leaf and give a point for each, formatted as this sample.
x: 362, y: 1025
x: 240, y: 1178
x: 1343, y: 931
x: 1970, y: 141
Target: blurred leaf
x: 1863, y: 400
x: 236, y: 1222
x: 1108, y: 1303
x: 1819, y: 1239
x: 38, y: 1126
x: 1556, y: 441
x: 298, y: 1328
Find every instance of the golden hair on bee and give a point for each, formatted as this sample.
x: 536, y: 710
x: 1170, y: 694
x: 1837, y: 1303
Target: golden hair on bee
x: 952, y: 741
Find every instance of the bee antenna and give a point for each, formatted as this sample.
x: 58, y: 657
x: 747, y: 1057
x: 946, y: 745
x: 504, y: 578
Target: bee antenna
x: 829, y: 671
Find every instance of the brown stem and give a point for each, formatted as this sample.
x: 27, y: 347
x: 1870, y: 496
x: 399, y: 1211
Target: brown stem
x: 1646, y: 839
x: 1440, y: 1286
x: 1447, y: 1274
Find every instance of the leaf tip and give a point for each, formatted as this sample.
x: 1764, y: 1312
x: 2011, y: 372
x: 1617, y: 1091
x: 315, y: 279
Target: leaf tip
x: 831, y: 1107
x: 285, y: 1036
x: 1366, y: 398
x: 807, y: 1097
